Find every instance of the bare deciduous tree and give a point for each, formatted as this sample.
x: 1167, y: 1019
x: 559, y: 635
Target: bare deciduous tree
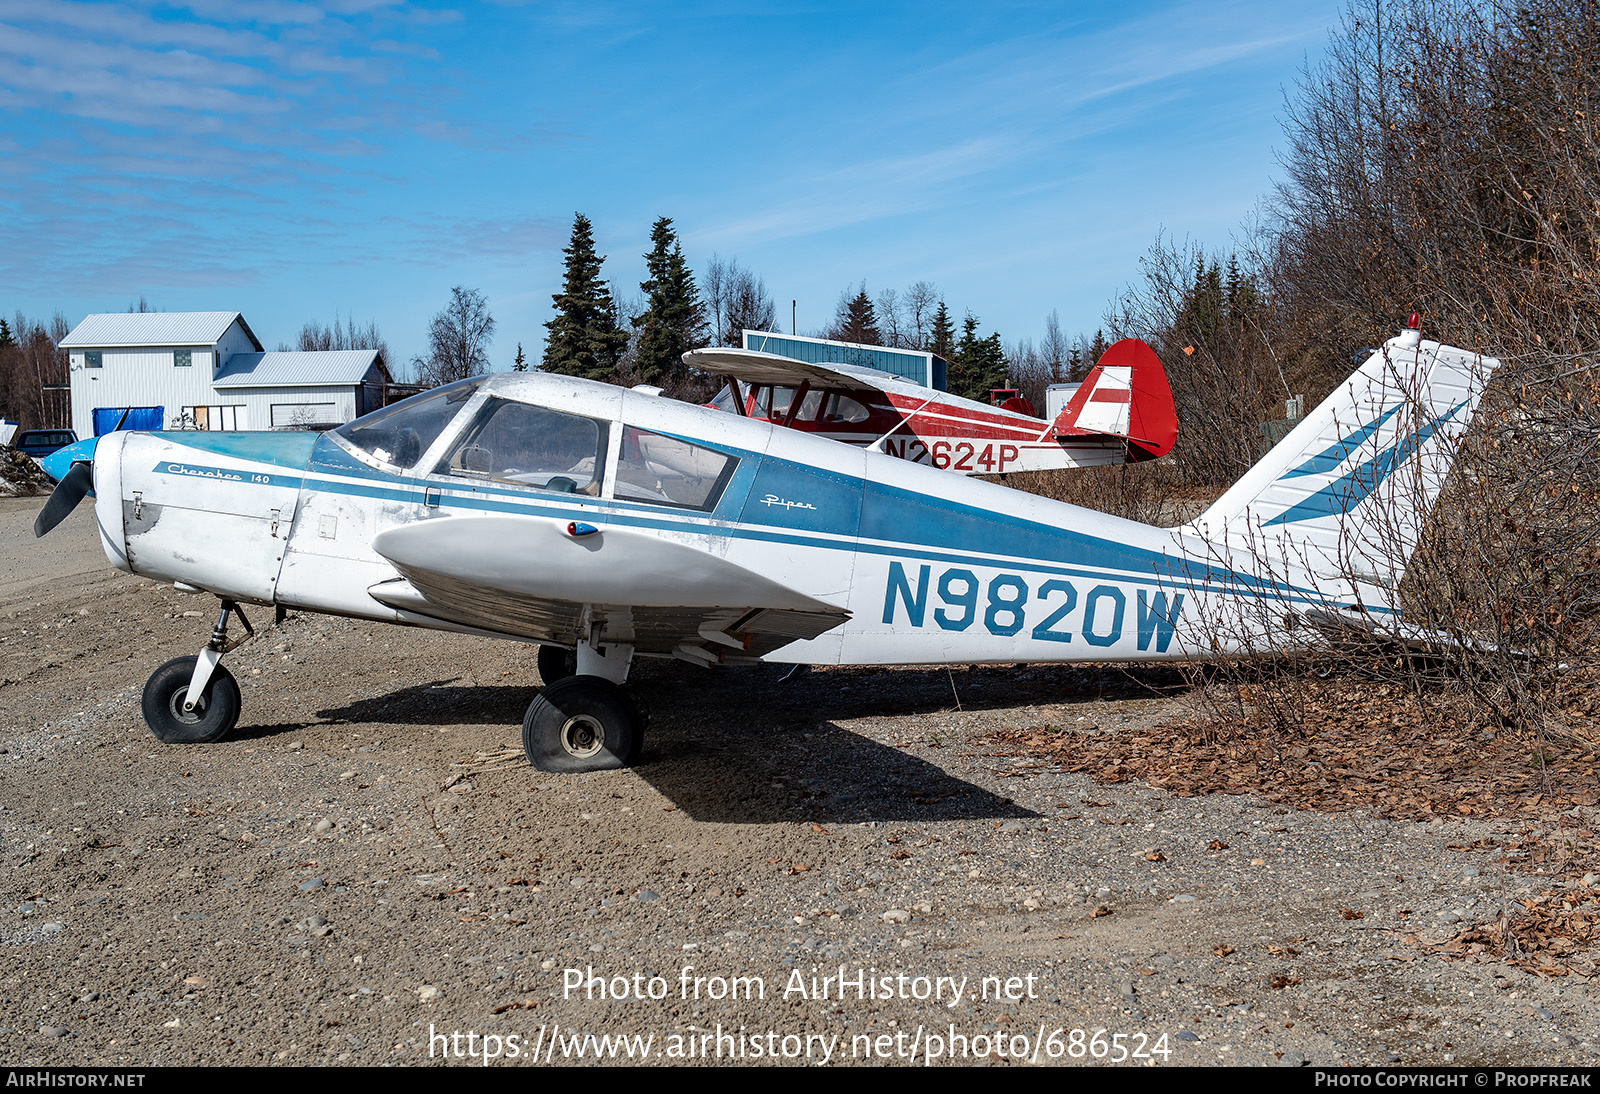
x: 921, y: 299
x: 745, y: 303
x: 715, y: 283
x: 891, y: 318
x: 315, y: 336
x: 1053, y: 349
x: 458, y: 340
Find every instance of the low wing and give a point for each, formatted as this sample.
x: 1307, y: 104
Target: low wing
x: 752, y: 367
x: 547, y: 580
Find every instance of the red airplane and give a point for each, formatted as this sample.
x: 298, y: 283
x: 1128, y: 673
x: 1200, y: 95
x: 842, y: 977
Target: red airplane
x: 1121, y: 413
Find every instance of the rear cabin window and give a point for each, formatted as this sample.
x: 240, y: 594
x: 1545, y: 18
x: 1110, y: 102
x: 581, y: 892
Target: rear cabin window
x: 663, y: 470
x: 842, y: 408
x: 531, y: 446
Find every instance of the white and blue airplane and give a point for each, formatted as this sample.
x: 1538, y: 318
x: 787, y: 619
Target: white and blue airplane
x: 609, y: 524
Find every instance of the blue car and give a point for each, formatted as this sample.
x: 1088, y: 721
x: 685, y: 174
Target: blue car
x: 39, y: 443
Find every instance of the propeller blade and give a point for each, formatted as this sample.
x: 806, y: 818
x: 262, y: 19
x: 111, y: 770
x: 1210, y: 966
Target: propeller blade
x: 65, y: 498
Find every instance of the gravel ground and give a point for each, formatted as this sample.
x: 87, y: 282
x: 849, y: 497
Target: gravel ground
x: 366, y: 868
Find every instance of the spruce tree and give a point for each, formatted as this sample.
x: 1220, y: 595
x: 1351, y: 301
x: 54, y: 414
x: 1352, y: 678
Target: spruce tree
x: 6, y: 338
x: 979, y: 364
x: 856, y: 320
x: 674, y: 319
x: 521, y: 363
x: 942, y: 340
x: 584, y: 338
x: 1097, y: 348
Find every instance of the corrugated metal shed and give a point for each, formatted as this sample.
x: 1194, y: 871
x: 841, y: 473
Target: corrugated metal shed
x: 155, y: 328
x: 296, y: 368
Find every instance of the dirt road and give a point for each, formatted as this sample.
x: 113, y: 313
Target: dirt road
x: 823, y: 870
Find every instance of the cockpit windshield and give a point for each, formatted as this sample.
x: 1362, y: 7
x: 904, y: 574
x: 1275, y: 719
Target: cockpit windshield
x: 401, y: 433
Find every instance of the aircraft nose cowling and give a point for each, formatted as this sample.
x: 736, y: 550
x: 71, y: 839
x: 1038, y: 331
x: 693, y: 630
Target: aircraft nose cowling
x: 208, y: 510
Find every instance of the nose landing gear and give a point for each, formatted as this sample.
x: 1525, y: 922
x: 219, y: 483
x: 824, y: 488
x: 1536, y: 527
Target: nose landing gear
x: 194, y: 700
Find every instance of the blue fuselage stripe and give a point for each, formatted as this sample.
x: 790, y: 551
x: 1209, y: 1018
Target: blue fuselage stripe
x: 887, y: 518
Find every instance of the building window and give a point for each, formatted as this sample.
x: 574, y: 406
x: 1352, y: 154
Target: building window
x: 310, y: 417
x: 210, y: 418
x: 181, y: 358
x: 91, y: 358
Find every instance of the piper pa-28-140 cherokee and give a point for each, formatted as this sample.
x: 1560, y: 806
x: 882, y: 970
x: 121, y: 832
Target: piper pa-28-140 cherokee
x: 608, y: 524
x: 1121, y: 413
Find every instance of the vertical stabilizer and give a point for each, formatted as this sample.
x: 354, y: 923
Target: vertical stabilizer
x: 1339, y: 503
x: 1125, y: 395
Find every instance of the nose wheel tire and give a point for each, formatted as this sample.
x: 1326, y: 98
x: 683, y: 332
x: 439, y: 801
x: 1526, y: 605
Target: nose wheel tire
x: 556, y: 663
x: 582, y: 723
x: 212, y: 717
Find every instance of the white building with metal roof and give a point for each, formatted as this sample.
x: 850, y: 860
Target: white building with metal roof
x: 207, y: 370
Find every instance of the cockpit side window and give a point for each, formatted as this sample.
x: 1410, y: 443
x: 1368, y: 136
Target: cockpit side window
x: 532, y: 446
x: 663, y: 470
x: 401, y: 433
x: 773, y: 403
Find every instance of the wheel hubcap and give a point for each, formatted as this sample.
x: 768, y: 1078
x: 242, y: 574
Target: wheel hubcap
x: 583, y: 736
x: 187, y: 716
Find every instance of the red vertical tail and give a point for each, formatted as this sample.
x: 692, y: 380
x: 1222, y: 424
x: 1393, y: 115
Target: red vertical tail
x: 1125, y: 395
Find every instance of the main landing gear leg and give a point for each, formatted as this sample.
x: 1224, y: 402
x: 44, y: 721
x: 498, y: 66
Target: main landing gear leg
x: 194, y: 700
x: 588, y: 721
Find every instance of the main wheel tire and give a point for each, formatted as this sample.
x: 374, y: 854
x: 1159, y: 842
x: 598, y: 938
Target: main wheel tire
x: 212, y: 717
x: 556, y: 663
x: 582, y: 723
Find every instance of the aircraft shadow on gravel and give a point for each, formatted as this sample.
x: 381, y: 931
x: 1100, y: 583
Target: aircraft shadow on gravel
x: 775, y: 753
x: 817, y: 772
x: 446, y: 702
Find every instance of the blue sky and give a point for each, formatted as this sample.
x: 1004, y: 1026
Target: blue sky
x: 298, y: 160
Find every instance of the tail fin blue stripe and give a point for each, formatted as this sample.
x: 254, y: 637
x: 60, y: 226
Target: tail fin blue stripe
x: 1354, y: 487
x: 1339, y: 451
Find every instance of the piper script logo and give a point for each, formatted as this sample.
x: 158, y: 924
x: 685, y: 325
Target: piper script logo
x: 773, y: 499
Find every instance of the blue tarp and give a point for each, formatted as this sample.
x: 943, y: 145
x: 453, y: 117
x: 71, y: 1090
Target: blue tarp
x: 139, y: 417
